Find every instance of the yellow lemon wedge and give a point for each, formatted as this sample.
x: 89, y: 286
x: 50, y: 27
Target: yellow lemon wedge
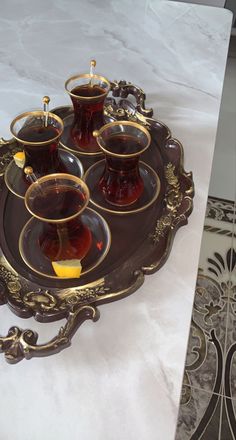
x: 67, y: 268
x: 19, y: 159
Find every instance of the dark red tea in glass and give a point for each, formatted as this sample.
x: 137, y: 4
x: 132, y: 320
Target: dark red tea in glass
x: 38, y: 132
x: 88, y: 93
x: 58, y: 200
x: 122, y: 142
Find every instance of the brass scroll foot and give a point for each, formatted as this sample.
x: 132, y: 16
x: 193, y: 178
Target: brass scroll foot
x: 22, y: 344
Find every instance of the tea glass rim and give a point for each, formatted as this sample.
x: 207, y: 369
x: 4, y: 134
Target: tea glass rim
x: 98, y: 133
x: 88, y: 75
x: 36, y: 113
x: 51, y: 177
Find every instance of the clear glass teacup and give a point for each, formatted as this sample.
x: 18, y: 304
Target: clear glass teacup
x: 38, y: 132
x: 58, y: 201
x: 123, y: 142
x: 87, y: 92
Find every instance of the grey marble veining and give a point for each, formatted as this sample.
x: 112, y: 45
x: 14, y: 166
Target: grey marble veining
x: 121, y: 379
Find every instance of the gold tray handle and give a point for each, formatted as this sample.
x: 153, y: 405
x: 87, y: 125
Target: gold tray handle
x: 22, y: 344
x: 123, y: 89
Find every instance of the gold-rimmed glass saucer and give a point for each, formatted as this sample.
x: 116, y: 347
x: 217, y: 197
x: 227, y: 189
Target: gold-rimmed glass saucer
x: 33, y: 256
x: 150, y: 193
x: 17, y: 184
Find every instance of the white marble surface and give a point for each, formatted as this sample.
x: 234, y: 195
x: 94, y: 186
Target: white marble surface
x: 121, y: 378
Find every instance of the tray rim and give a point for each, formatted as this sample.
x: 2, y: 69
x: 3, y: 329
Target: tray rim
x: 80, y: 303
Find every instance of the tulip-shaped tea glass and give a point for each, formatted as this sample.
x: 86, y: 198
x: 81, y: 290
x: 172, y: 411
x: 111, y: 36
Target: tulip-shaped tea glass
x: 122, y: 142
x: 62, y: 231
x: 58, y: 200
x: 88, y: 93
x: 38, y: 133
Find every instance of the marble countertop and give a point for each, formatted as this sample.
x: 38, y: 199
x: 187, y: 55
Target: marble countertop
x: 121, y: 378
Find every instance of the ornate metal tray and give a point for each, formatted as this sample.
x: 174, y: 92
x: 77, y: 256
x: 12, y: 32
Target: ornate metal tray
x: 123, y: 270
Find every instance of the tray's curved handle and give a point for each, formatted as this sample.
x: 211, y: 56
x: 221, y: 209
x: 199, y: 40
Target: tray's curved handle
x: 20, y: 344
x: 122, y: 89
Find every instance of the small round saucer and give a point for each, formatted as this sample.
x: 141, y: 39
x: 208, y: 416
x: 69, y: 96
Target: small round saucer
x: 17, y: 185
x: 34, y: 258
x: 150, y: 193
x: 68, y: 143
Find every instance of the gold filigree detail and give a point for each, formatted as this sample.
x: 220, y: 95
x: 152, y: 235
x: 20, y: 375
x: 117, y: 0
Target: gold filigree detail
x: 14, y: 286
x: 121, y: 110
x: 161, y: 225
x: 86, y: 295
x: 173, y: 201
x: 12, y: 282
x: 171, y: 178
x: 138, y: 117
x: 42, y: 301
x: 174, y: 196
x: 126, y: 114
x: 117, y: 113
x: 6, y: 158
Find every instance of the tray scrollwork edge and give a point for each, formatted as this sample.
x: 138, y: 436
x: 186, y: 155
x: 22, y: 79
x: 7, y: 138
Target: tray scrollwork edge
x: 80, y: 304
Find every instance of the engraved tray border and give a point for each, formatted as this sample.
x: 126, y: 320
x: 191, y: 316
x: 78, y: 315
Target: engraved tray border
x: 78, y: 304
